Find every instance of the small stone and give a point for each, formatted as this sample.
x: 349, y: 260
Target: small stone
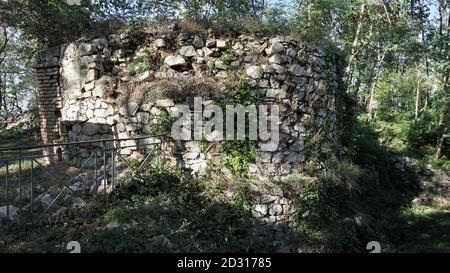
x: 285, y: 169
x: 143, y: 117
x: 221, y: 44
x: 119, y: 53
x: 160, y: 43
x: 146, y: 107
x: 99, y: 91
x: 231, y: 190
x: 174, y: 61
x: 165, y: 103
x: 271, y: 146
x: 45, y: 199
x: 293, y: 157
x: 60, y: 212
x: 276, y: 59
x: 264, y: 157
x: 129, y: 109
x: 276, y: 93
x: 207, y: 52
x: 198, y: 42
x: 13, y: 213
x: 188, y: 51
x: 275, y: 209
x: 86, y: 49
x: 255, y: 72
x: 88, y: 87
x: 103, y: 184
x: 147, y: 76
x: 277, y: 157
x: 297, y: 70
x: 211, y: 43
x: 163, y: 240
x: 112, y: 225
x: 92, y: 75
x: 260, y: 210
x: 190, y: 155
x: 265, y: 199
x: 220, y: 65
x: 276, y: 48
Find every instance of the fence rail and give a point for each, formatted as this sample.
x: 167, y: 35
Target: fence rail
x: 95, y: 170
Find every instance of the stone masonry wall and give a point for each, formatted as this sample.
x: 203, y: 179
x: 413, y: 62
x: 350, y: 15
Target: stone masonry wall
x: 117, y: 86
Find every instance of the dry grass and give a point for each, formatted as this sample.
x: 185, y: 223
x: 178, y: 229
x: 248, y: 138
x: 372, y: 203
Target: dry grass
x: 179, y: 91
x: 164, y: 26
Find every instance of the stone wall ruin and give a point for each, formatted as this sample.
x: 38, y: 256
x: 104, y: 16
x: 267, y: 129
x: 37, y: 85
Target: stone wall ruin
x: 115, y: 86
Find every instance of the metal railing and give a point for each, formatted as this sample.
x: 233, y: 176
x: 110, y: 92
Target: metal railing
x: 24, y: 168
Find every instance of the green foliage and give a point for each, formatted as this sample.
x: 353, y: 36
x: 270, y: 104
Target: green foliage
x: 116, y: 214
x: 140, y: 65
x: 189, y: 213
x: 395, y: 114
x: 362, y: 141
x: 161, y: 124
x: 242, y: 93
x: 50, y: 21
x: 131, y: 29
x: 324, y: 207
x: 238, y: 154
x: 228, y: 56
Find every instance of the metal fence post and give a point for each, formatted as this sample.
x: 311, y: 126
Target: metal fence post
x: 105, y: 174
x: 7, y: 189
x: 113, y: 155
x: 31, y: 189
x: 20, y: 176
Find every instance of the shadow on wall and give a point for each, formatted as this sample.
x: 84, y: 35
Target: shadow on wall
x: 88, y: 137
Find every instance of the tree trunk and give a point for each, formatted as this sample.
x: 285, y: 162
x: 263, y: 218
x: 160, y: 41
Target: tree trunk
x: 441, y: 140
x: 355, y: 43
x: 444, y: 119
x: 417, y: 99
x: 374, y: 83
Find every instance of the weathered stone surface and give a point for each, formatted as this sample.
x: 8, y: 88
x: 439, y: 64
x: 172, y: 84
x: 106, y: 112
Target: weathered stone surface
x: 174, y: 61
x: 143, y: 117
x: 276, y: 48
x: 147, y: 76
x: 99, y: 91
x: 276, y: 59
x: 207, y: 52
x: 13, y: 213
x: 260, y: 210
x: 86, y: 49
x: 210, y: 43
x: 198, y: 42
x: 165, y: 103
x: 188, y: 51
x: 45, y: 199
x: 220, y: 65
x: 146, y: 107
x: 160, y: 43
x: 129, y: 109
x: 163, y: 241
x: 276, y: 93
x: 255, y: 72
x: 297, y: 70
x: 221, y: 44
x: 275, y: 209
